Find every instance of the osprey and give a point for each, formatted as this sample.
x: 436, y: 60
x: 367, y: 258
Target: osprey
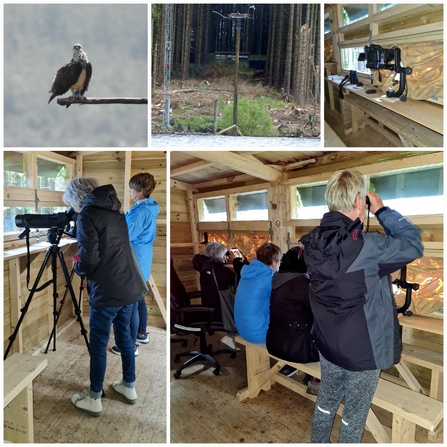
x: 75, y: 75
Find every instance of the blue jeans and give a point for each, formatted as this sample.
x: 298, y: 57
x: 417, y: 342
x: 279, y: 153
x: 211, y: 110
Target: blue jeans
x: 101, y: 319
x: 142, y: 314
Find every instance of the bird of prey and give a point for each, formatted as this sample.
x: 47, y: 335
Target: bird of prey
x: 75, y: 75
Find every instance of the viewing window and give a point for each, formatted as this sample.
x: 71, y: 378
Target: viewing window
x: 354, y: 13
x: 249, y: 206
x: 51, y: 175
x: 327, y: 24
x: 413, y: 192
x: 383, y: 6
x: 212, y: 209
x: 350, y: 60
x: 417, y: 191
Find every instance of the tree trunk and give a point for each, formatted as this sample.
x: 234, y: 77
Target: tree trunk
x: 288, y: 61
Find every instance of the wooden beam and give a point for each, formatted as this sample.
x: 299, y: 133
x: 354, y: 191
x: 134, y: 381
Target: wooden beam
x: 53, y: 156
x: 190, y: 168
x: 157, y: 297
x: 241, y: 164
x: 182, y: 185
x: 223, y: 181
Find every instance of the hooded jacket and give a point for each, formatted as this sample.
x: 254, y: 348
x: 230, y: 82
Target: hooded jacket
x: 251, y: 307
x: 104, y: 251
x: 355, y: 317
x: 289, y: 333
x: 142, y: 226
x: 225, y: 277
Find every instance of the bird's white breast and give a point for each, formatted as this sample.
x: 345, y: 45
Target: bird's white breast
x: 79, y: 84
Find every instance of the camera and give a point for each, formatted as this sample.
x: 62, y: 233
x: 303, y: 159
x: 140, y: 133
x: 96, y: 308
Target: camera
x: 57, y: 220
x: 378, y: 58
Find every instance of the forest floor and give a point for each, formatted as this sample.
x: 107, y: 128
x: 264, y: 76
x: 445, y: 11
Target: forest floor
x: 196, y: 98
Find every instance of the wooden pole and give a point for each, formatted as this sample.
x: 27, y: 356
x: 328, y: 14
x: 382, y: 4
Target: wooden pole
x: 68, y: 101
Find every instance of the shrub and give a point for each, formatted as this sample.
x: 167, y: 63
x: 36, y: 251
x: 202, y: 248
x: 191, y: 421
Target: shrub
x: 253, y: 119
x: 202, y: 124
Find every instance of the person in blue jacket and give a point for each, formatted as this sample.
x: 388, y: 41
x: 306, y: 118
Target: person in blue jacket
x: 251, y: 307
x: 355, y: 317
x: 142, y: 228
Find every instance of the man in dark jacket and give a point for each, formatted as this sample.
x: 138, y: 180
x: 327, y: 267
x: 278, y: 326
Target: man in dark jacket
x: 355, y: 319
x: 106, y: 260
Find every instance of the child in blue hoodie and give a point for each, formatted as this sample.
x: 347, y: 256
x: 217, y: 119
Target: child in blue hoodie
x: 142, y: 226
x: 251, y: 308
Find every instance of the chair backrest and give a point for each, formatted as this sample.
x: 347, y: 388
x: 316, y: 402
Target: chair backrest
x: 179, y: 295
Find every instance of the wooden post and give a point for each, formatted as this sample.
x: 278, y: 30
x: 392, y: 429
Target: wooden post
x: 215, y: 118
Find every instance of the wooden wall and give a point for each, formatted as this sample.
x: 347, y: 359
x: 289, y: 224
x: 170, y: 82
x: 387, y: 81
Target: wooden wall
x: 182, y: 246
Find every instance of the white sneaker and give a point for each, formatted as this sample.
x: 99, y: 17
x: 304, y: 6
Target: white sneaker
x: 229, y: 343
x: 87, y: 404
x: 129, y: 394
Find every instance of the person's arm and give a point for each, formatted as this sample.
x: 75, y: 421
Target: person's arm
x: 88, y: 243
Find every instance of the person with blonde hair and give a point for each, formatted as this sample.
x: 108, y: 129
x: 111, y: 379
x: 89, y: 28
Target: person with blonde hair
x: 355, y: 318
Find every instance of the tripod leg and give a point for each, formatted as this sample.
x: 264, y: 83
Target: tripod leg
x: 28, y: 302
x: 77, y: 308
x: 58, y: 313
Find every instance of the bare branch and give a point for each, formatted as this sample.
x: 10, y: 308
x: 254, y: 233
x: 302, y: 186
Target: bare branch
x: 68, y: 101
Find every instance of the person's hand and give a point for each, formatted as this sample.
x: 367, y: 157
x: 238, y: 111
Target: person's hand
x: 235, y: 253
x: 76, y: 258
x: 375, y: 200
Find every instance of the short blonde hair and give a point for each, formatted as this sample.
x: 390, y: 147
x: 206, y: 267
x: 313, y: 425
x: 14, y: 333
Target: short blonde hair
x: 343, y: 188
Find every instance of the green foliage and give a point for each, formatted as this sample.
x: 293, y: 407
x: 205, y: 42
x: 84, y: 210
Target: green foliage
x: 202, y: 124
x: 253, y: 118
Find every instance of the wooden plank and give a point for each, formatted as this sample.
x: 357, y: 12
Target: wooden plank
x: 423, y: 357
x: 433, y: 325
x: 158, y: 298
x: 241, y: 164
x: 19, y: 370
x: 197, y: 166
x: 331, y: 139
x: 426, y: 114
x: 411, y: 130
x: 403, y: 430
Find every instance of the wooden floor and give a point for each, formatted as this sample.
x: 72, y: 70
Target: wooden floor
x: 57, y: 421
x: 204, y: 407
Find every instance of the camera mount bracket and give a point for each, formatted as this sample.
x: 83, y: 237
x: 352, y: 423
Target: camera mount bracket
x: 378, y: 58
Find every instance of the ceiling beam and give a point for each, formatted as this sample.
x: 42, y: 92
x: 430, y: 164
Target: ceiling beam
x: 241, y: 164
x: 190, y: 168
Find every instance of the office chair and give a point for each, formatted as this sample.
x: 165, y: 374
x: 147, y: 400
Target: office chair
x: 188, y: 319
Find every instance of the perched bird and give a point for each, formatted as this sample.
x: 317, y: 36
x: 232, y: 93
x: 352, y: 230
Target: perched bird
x: 75, y: 75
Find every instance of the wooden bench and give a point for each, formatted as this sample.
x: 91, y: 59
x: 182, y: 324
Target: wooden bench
x: 19, y: 372
x: 409, y: 408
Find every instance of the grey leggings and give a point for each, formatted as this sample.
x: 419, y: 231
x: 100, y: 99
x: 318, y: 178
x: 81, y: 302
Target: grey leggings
x: 358, y: 388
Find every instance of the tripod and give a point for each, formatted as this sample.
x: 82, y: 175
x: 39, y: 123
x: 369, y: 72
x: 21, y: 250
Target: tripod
x: 54, y: 251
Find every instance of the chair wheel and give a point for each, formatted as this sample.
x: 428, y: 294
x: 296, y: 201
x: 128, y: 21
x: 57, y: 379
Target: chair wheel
x: 176, y: 359
x: 233, y: 355
x: 216, y: 371
x: 177, y: 374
